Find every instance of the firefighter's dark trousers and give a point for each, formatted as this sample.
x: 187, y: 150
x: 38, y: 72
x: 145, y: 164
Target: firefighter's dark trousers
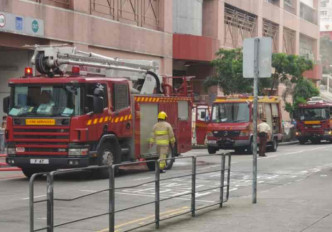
x: 262, y: 143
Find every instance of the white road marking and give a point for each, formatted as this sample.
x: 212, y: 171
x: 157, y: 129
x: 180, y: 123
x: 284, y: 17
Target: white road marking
x: 27, y: 198
x: 144, y: 178
x: 146, y: 195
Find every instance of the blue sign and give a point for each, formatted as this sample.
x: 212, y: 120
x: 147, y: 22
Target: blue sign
x: 19, y: 23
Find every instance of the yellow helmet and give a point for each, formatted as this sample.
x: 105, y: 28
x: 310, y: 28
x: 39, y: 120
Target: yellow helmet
x: 162, y: 115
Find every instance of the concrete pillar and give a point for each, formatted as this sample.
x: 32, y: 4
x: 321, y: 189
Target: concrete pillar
x: 281, y: 27
x: 297, y: 32
x: 213, y: 20
x: 81, y: 6
x: 260, y: 19
x: 166, y: 16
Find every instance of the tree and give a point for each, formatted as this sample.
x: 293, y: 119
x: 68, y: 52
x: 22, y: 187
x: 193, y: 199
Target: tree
x: 228, y: 66
x: 303, y: 90
x: 288, y: 67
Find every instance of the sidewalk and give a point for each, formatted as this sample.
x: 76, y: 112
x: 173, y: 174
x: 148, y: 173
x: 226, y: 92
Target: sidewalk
x: 303, y: 206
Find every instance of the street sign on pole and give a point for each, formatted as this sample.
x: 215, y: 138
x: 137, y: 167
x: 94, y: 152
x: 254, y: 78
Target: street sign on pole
x: 257, y: 59
x: 265, y: 57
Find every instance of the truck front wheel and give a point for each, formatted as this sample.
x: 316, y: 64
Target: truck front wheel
x: 106, y: 158
x: 28, y: 172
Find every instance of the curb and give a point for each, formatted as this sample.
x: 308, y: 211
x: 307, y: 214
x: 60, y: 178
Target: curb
x: 279, y: 144
x: 288, y: 143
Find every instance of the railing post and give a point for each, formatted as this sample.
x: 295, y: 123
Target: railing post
x: 222, y: 179
x: 111, y: 198
x: 228, y: 175
x: 31, y: 201
x: 50, y: 202
x: 157, y: 192
x: 193, y: 187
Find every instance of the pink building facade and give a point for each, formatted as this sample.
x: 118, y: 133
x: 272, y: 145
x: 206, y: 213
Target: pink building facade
x: 154, y: 30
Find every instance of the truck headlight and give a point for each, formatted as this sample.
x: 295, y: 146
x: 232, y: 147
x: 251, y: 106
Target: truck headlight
x: 297, y: 133
x: 78, y: 151
x: 11, y: 151
x: 327, y: 132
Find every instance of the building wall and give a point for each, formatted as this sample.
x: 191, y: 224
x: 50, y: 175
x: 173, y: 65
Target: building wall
x: 187, y: 17
x: 84, y: 24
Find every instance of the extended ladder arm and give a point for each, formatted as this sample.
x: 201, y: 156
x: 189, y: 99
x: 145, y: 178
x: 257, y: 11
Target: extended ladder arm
x: 54, y: 60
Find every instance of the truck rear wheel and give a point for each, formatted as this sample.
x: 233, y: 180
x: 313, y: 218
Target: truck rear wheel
x: 274, y: 145
x: 250, y: 148
x: 302, y: 141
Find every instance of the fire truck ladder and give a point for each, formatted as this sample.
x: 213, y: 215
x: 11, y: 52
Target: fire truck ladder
x: 56, y: 60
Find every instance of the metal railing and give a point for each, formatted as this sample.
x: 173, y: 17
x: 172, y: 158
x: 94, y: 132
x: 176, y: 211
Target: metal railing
x: 111, y: 190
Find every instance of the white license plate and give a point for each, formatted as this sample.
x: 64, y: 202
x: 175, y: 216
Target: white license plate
x: 39, y: 161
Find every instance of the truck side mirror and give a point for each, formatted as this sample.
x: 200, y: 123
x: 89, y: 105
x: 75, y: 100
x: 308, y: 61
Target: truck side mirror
x: 98, y: 105
x: 5, y: 105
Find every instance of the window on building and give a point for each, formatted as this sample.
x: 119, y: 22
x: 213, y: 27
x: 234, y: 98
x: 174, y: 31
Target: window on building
x: 288, y: 2
x: 323, y: 13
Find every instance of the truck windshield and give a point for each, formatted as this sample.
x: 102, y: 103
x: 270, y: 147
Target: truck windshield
x: 230, y: 112
x: 314, y: 114
x: 62, y: 100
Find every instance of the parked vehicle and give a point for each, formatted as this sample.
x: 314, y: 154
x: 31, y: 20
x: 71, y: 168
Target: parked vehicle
x: 313, y: 121
x: 89, y: 116
x: 231, y: 124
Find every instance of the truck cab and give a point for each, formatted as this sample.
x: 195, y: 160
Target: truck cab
x: 313, y: 121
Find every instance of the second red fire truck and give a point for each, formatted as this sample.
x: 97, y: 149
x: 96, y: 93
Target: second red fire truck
x: 313, y: 121
x: 85, y: 109
x: 231, y: 123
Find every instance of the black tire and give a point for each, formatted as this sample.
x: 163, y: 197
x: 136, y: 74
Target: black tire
x: 250, y: 148
x: 212, y: 150
x: 106, y: 156
x: 315, y: 141
x: 302, y: 141
x: 151, y: 165
x: 239, y: 150
x: 274, y: 145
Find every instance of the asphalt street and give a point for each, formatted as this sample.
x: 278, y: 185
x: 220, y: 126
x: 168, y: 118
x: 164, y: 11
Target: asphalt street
x: 291, y: 164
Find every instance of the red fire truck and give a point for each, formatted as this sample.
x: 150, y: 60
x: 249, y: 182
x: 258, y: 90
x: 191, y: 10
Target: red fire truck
x: 313, y: 121
x: 101, y: 112
x: 231, y: 123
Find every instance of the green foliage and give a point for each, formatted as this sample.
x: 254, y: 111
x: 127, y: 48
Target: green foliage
x: 210, y: 81
x: 228, y: 65
x: 303, y: 90
x: 288, y: 67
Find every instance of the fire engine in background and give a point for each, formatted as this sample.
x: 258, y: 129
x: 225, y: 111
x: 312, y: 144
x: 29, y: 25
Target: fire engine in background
x: 231, y: 124
x: 100, y: 113
x: 313, y: 121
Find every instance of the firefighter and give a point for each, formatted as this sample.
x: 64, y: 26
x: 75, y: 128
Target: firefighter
x: 162, y: 136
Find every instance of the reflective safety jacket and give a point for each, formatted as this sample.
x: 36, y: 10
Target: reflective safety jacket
x: 162, y: 134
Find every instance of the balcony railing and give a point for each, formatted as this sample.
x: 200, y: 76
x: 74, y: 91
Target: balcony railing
x: 58, y: 3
